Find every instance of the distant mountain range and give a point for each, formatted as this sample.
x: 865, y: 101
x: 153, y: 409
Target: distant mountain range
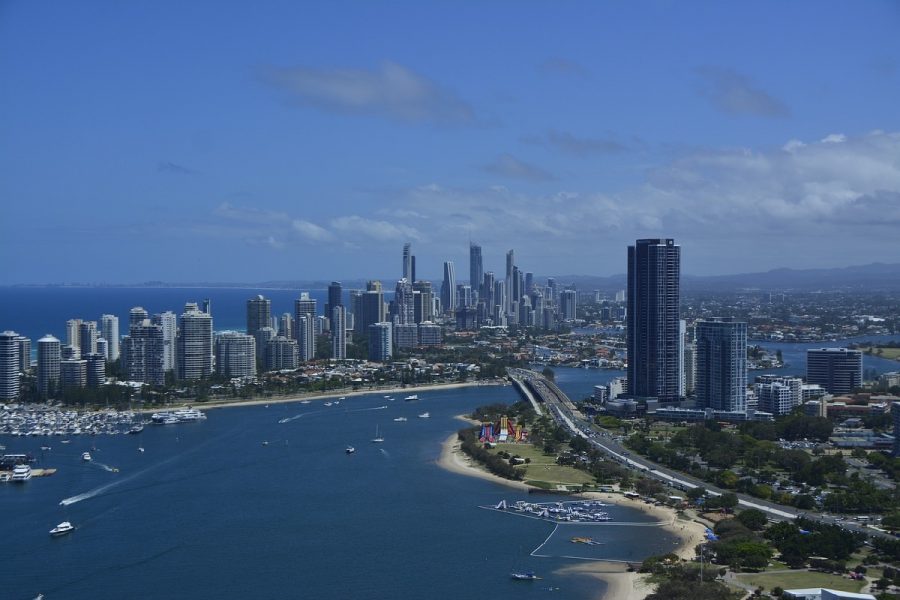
x: 872, y: 277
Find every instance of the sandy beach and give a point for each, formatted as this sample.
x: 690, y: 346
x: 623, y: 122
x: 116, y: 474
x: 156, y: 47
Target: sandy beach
x: 387, y: 391
x: 621, y: 584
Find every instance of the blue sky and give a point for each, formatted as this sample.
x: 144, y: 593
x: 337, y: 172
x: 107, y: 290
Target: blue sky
x: 216, y: 141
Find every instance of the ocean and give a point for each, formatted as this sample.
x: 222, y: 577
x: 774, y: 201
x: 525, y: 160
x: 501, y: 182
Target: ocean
x: 209, y: 511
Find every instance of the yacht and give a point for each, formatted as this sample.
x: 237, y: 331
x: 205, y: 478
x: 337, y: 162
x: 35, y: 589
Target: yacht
x: 350, y: 450
x: 412, y: 397
x: 377, y: 439
x: 21, y: 473
x: 425, y: 415
x: 86, y: 457
x: 62, y: 529
x: 136, y: 429
x: 4, y: 477
x: 188, y: 414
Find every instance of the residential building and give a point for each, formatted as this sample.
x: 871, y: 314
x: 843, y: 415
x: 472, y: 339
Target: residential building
x: 195, y: 343
x: 10, y: 364
x: 259, y: 314
x: 448, y: 289
x: 49, y: 355
x: 143, y: 353
x: 72, y: 374
x: 281, y: 354
x: 838, y: 370
x: 168, y: 321
x: 380, y: 342
x: 476, y: 268
x: 236, y: 354
x: 721, y: 354
x: 339, y: 332
x: 109, y: 330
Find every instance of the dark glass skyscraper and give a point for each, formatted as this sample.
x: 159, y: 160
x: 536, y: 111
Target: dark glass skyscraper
x: 476, y: 268
x: 654, y: 348
x: 335, y: 298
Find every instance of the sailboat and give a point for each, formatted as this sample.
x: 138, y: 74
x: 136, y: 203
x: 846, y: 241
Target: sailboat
x: 377, y: 439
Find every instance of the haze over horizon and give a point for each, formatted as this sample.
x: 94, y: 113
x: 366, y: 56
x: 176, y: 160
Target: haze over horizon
x: 207, y: 142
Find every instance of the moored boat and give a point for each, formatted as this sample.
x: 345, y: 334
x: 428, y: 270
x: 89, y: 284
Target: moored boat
x: 526, y: 576
x: 412, y: 397
x: 21, y: 473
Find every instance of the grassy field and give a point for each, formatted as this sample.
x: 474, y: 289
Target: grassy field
x: 801, y: 579
x: 543, y: 470
x: 889, y: 353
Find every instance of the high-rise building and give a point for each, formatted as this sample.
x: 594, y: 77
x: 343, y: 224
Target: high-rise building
x: 286, y: 326
x: 259, y: 314
x: 335, y: 298
x: 137, y: 315
x: 721, y: 377
x: 510, y: 265
x: 73, y: 333
x: 236, y: 354
x: 9, y: 365
x: 24, y: 353
x: 282, y: 353
x: 109, y: 330
x: 838, y: 370
x: 406, y: 335
x: 423, y: 301
x: 305, y: 331
x: 96, y: 369
x: 654, y: 357
x: 339, y: 332
x: 372, y: 307
x: 168, y: 321
x: 143, y: 353
x: 463, y: 296
x: 72, y: 374
x: 103, y: 348
x: 195, y: 343
x: 487, y: 292
x: 778, y: 394
x: 407, y: 262
x: 448, y: 289
x: 380, y: 342
x: 49, y: 355
x: 476, y: 267
x: 87, y: 337
x: 262, y: 337
x: 403, y: 302
x: 429, y: 334
x: 568, y: 304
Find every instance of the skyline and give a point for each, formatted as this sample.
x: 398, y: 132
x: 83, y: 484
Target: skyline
x: 565, y: 133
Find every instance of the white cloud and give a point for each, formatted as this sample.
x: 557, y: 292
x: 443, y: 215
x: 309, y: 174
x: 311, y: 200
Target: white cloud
x: 311, y: 231
x: 391, y: 91
x: 355, y: 226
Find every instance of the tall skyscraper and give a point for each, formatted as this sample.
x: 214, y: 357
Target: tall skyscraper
x: 305, y: 326
x: 286, y: 326
x: 24, y: 353
x: 407, y: 262
x: 380, y: 342
x: 236, y: 354
x: 49, y: 355
x: 721, y: 376
x: 282, y: 353
x: 335, y: 298
x: 838, y: 370
x: 96, y: 369
x: 510, y: 264
x: 73, y: 333
x: 259, y: 314
x: 372, y: 307
x: 423, y: 299
x: 568, y: 304
x: 448, y: 289
x: 654, y: 348
x: 72, y: 374
x: 87, y: 337
x: 339, y: 333
x: 137, y: 315
x: 168, y: 321
x: 195, y: 343
x: 109, y: 330
x: 9, y: 365
x: 143, y: 353
x: 476, y: 268
x: 403, y: 300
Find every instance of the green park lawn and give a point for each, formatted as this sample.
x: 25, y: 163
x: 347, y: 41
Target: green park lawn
x: 889, y: 353
x: 543, y: 468
x: 800, y: 579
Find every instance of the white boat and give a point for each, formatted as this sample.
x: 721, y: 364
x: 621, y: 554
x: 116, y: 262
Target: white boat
x: 62, y: 529
x: 350, y: 450
x: 400, y: 419
x: 328, y: 404
x: 412, y: 397
x: 377, y: 439
x: 21, y: 473
x: 4, y: 477
x: 185, y: 415
x: 86, y: 457
x: 304, y: 402
x: 425, y: 415
x: 342, y: 398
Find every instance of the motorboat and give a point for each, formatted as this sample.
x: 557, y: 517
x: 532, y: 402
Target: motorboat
x: 425, y: 415
x: 185, y: 415
x: 136, y: 429
x: 86, y: 457
x: 350, y: 450
x: 412, y: 397
x: 21, y: 473
x: 328, y: 404
x: 526, y: 576
x: 62, y: 529
x: 400, y: 419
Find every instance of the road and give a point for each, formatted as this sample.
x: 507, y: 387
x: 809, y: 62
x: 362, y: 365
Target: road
x: 563, y: 411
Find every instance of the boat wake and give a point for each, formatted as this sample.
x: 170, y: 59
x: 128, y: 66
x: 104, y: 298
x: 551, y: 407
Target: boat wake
x: 318, y: 412
x: 385, y: 452
x: 105, y: 467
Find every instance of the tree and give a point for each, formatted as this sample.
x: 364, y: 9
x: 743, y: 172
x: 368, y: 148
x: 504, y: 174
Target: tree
x: 549, y: 373
x: 753, y: 518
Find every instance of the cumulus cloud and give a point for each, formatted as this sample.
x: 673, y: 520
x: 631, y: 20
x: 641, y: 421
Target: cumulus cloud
x: 734, y: 93
x: 356, y: 226
x: 569, y: 143
x: 311, y: 231
x: 508, y: 165
x: 391, y: 91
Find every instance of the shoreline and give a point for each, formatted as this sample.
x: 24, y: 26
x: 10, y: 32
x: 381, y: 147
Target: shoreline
x: 620, y: 584
x: 316, y: 396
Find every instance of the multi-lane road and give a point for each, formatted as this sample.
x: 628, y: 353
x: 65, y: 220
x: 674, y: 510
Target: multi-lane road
x: 546, y: 396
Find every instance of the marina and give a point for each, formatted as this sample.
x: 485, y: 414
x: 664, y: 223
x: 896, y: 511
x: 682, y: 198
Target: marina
x: 583, y: 512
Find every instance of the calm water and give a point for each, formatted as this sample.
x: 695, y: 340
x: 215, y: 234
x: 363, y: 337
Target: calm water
x: 207, y: 511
